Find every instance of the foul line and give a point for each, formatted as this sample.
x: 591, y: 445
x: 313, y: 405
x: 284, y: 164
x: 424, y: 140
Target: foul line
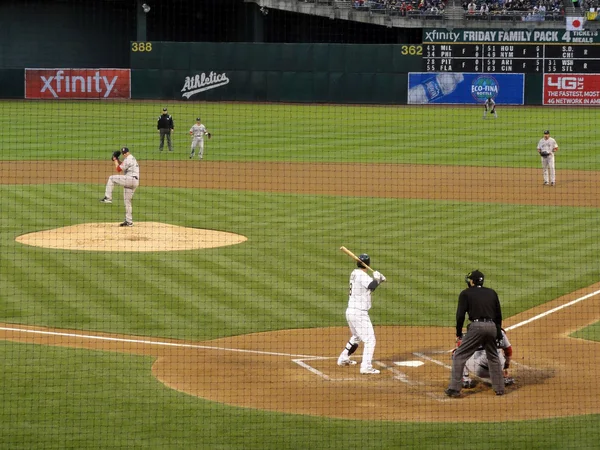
x: 158, y: 343
x: 255, y: 352
x: 553, y: 310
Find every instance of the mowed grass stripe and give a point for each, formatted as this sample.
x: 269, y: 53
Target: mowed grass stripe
x: 290, y: 273
x: 440, y: 134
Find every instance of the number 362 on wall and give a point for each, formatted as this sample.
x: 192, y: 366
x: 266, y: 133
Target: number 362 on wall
x: 141, y: 46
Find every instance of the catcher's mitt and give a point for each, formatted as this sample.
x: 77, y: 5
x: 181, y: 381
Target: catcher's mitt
x: 116, y: 155
x: 545, y: 154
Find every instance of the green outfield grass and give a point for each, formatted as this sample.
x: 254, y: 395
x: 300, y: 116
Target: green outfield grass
x: 289, y: 274
x: 449, y: 135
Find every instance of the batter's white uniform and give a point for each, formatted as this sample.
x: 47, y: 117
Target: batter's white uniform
x: 198, y: 131
x: 548, y: 144
x: 130, y: 180
x: 357, y: 315
x: 478, y: 363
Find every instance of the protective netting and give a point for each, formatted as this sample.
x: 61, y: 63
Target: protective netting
x: 190, y: 291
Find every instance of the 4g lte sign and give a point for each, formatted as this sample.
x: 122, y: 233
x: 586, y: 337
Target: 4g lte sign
x: 572, y: 89
x: 77, y: 83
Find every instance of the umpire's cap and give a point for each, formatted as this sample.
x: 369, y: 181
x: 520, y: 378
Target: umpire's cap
x: 124, y: 150
x: 476, y: 276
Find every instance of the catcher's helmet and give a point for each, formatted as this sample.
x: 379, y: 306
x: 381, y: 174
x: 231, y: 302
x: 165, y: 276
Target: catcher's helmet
x: 476, y: 276
x: 364, y: 258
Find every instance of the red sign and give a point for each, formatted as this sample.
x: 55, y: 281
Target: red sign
x: 572, y: 89
x: 77, y: 83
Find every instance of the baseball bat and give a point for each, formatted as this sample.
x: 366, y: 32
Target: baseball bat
x: 354, y: 257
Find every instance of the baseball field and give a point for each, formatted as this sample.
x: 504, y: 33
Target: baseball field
x: 118, y: 337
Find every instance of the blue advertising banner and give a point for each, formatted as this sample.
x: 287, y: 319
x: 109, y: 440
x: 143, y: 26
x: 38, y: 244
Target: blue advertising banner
x: 465, y: 88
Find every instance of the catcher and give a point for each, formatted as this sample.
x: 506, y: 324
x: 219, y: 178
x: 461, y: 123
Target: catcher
x: 477, y: 365
x: 130, y: 180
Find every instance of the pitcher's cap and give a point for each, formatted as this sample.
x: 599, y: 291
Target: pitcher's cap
x: 546, y: 131
x: 124, y: 150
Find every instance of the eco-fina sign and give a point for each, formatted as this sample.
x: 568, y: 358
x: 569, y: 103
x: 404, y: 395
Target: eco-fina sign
x: 513, y: 36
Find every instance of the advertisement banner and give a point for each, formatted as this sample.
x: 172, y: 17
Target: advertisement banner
x: 501, y: 36
x: 77, y: 83
x: 572, y: 89
x: 465, y: 88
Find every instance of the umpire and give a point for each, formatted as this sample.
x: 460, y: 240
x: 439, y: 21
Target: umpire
x: 483, y: 306
x: 165, y: 127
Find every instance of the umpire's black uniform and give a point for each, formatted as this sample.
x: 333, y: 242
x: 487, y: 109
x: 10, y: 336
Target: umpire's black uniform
x: 483, y: 306
x: 165, y: 126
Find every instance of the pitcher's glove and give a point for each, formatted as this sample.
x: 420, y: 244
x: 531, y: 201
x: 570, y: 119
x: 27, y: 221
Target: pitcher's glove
x: 116, y: 154
x: 208, y: 135
x: 545, y: 154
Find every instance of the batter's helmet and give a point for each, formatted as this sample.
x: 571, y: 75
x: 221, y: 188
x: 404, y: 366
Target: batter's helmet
x: 476, y: 276
x: 364, y: 258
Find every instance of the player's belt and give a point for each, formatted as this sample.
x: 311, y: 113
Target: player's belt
x: 482, y: 319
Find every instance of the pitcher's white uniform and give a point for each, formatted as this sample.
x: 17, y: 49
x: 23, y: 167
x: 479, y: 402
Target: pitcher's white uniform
x: 130, y: 180
x: 357, y: 315
x: 549, y: 145
x: 198, y: 131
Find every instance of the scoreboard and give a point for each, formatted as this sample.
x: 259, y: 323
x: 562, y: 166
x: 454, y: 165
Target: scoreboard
x: 511, y: 57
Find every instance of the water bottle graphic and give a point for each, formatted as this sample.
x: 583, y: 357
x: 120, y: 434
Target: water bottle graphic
x: 433, y: 88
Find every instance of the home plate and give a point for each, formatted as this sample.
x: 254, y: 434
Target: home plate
x: 409, y: 363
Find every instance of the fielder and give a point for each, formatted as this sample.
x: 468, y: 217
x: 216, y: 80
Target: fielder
x: 198, y: 131
x: 357, y: 315
x: 130, y: 180
x: 547, y: 147
x: 477, y: 365
x: 490, y: 105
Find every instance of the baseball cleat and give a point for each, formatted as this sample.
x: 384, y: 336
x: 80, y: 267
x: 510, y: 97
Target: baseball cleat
x: 345, y: 362
x: 508, y: 381
x: 126, y: 224
x: 452, y: 393
x: 106, y: 200
x: 369, y: 371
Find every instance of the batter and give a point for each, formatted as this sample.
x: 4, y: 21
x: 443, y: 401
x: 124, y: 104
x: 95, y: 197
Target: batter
x: 357, y: 315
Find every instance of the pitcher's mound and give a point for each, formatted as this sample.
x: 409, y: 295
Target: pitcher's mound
x: 142, y: 237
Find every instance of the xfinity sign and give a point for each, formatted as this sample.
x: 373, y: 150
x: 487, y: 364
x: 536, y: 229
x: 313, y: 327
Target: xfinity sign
x: 77, y: 83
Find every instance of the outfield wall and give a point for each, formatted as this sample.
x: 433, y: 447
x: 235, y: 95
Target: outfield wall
x: 302, y: 73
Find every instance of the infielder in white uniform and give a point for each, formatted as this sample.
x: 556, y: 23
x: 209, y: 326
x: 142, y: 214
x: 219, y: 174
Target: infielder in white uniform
x: 547, y: 147
x: 198, y: 131
x: 490, y: 105
x: 130, y: 180
x: 477, y: 365
x: 357, y: 315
